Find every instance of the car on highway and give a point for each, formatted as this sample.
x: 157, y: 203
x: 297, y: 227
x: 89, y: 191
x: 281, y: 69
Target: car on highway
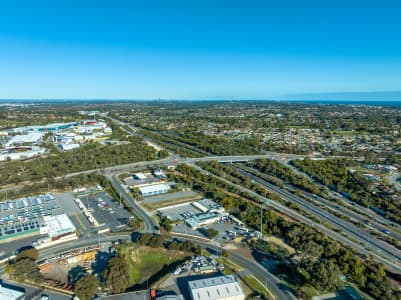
x: 45, y: 297
x: 386, y: 231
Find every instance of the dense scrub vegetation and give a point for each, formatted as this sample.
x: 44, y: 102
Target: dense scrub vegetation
x: 63, y: 184
x: 335, y: 173
x: 177, y: 147
x: 201, y: 144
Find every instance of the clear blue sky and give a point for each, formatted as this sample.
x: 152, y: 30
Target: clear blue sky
x: 194, y: 49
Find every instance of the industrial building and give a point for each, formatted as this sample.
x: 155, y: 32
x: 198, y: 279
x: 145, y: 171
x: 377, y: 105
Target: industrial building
x: 207, y: 205
x: 140, y: 176
x: 57, y: 226
x: 152, y: 190
x: 22, y: 152
x: 202, y: 219
x: 55, y: 127
x: 66, y: 137
x: 67, y: 147
x: 30, y: 138
x: 170, y: 297
x: 159, y: 174
x: 216, y: 288
x: 7, y: 293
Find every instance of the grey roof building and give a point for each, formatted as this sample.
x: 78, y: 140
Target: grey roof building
x: 216, y: 288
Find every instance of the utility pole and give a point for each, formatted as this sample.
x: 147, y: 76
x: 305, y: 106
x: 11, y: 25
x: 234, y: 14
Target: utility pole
x: 261, y: 219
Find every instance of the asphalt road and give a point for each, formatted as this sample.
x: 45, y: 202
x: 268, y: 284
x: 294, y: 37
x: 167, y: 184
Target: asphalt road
x: 149, y: 224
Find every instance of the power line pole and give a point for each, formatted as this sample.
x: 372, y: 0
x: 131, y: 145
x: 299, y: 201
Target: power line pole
x: 261, y: 219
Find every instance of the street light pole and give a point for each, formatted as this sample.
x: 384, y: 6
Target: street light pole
x: 261, y: 220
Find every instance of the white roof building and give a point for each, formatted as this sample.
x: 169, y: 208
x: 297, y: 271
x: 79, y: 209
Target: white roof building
x: 140, y: 176
x: 67, y: 147
x: 10, y: 294
x: 57, y: 226
x: 170, y: 297
x: 30, y: 138
x: 216, y: 288
x: 155, y: 189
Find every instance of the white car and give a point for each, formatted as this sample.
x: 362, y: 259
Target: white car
x: 45, y: 297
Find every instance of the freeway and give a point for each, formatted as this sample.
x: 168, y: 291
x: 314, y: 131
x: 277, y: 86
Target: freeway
x: 386, y: 251
x: 385, y: 259
x: 345, y: 210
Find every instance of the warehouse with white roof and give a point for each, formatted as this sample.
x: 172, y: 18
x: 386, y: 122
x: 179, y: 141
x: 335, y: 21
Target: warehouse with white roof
x: 152, y: 190
x: 216, y: 288
x: 30, y: 138
x: 57, y: 226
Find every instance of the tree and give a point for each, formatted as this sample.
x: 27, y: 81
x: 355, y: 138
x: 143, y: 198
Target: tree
x: 25, y: 269
x: 310, y: 251
x: 326, y: 275
x: 225, y: 254
x: 115, y: 275
x: 211, y: 233
x: 86, y: 287
x: 24, y: 266
x: 166, y: 224
x: 31, y: 253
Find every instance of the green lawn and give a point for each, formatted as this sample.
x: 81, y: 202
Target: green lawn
x: 144, y: 261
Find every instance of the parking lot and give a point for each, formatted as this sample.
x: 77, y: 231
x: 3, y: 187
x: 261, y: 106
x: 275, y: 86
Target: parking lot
x: 23, y: 217
x: 28, y: 209
x: 106, y: 211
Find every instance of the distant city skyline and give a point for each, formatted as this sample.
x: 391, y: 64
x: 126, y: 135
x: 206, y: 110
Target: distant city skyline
x: 177, y: 49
